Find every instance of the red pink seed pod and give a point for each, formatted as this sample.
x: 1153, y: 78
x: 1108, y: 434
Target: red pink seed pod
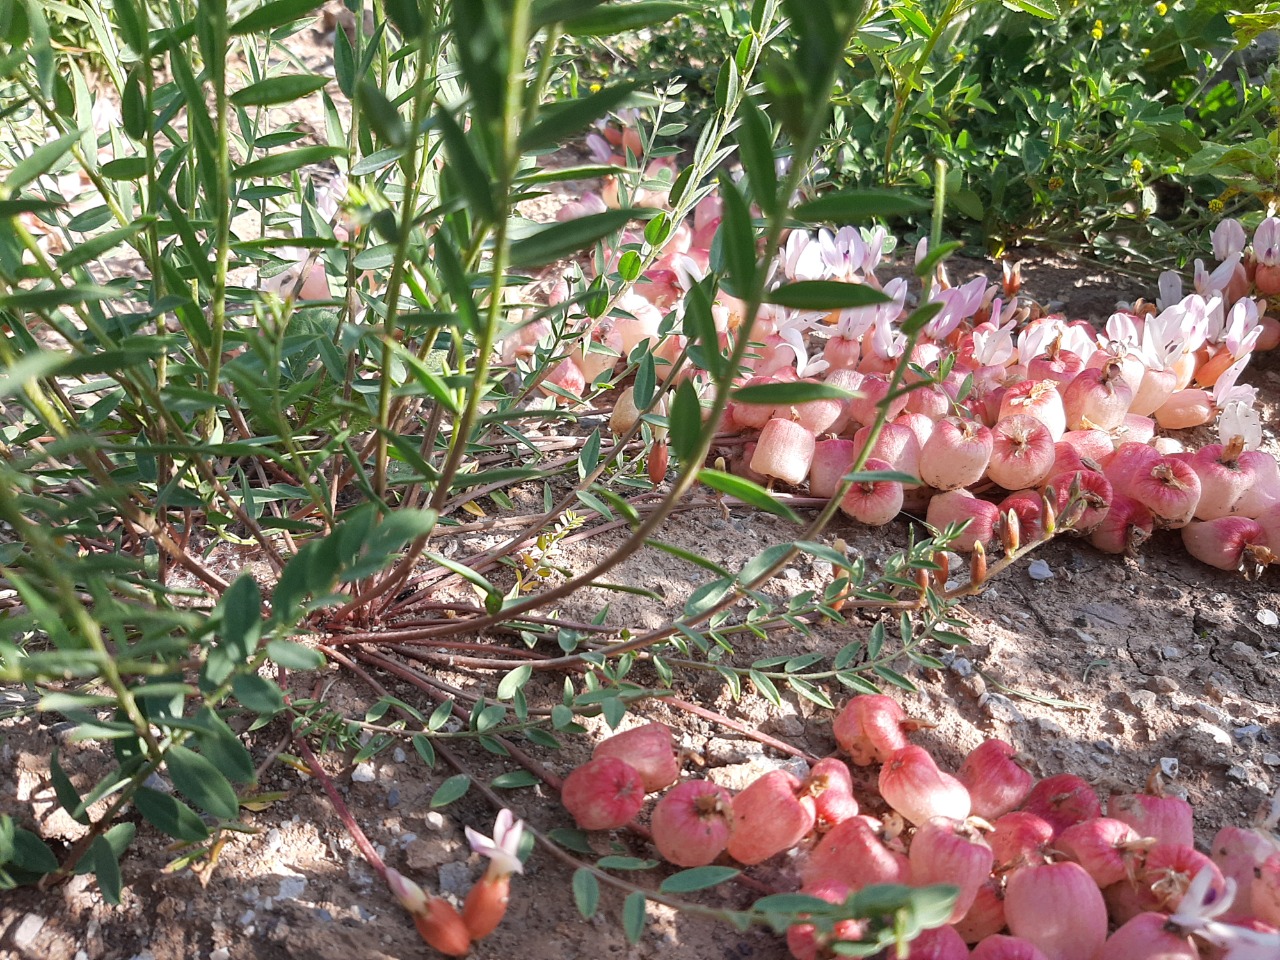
x: 1028, y: 506
x: 994, y: 779
x: 1000, y: 947
x: 1039, y: 399
x: 1152, y: 814
x: 961, y: 506
x: 873, y: 502
x: 1060, y: 366
x: 692, y: 822
x: 1147, y: 937
x: 1021, y: 454
x: 1062, y: 801
x: 603, y: 794
x: 956, y: 454
x: 986, y: 915
x: 1228, y: 543
x: 1192, y: 407
x: 832, y: 459
x: 769, y: 817
x: 1222, y: 481
x: 1058, y: 908
x: 864, y: 408
x: 1170, y: 490
x: 1130, y: 461
x: 649, y: 750
x: 753, y: 416
x: 948, y: 851
x: 897, y: 445
x: 1094, y: 502
x: 784, y: 451
x: 568, y: 376
x: 940, y: 943
x: 1019, y: 839
x: 870, y: 728
x: 1125, y: 528
x: 803, y: 939
x: 853, y: 854
x: 1162, y: 881
x: 1265, y: 895
x: 912, y: 784
x: 920, y: 425
x: 1263, y: 494
x: 1106, y: 848
x: 846, y: 380
x: 831, y: 787
x: 1240, y: 854
x: 818, y: 416
x: 1095, y: 445
x: 1097, y: 398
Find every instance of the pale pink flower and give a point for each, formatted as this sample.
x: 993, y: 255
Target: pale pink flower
x: 1228, y: 239
x: 503, y: 850
x: 1266, y: 242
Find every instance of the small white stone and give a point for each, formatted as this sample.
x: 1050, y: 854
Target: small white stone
x: 364, y: 773
x: 1169, y: 766
x: 1268, y: 618
x: 222, y: 953
x: 28, y: 929
x: 291, y: 888
x: 1039, y: 571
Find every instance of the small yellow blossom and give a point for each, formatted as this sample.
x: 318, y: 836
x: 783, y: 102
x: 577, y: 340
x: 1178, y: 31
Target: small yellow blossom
x: 1056, y: 183
x: 1096, y: 32
x: 1215, y: 206
x: 1135, y: 165
x: 1161, y: 9
x: 595, y: 88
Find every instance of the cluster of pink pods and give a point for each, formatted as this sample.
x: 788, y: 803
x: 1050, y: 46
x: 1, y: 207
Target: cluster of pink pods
x: 1042, y: 872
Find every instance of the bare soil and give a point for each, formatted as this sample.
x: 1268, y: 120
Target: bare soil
x: 1105, y: 670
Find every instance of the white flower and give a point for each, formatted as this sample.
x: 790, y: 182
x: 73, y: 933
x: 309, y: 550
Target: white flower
x: 1123, y: 328
x: 958, y: 304
x: 503, y: 850
x: 801, y: 257
x: 1266, y: 242
x: 1210, y: 283
x: 793, y: 337
x: 1198, y: 912
x: 1228, y: 239
x: 1225, y: 390
x: 1239, y: 419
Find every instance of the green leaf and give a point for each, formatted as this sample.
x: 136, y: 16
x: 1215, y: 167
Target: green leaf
x: 467, y: 168
x: 294, y: 656
x: 936, y: 256
x: 30, y: 368
x: 625, y: 863
x: 560, y: 121
x: 170, y: 815
x: 1044, y: 9
x: 854, y: 205
x: 697, y: 878
x: 202, y: 783
x: 382, y: 115
x: 513, y: 780
x: 272, y: 15
x: 276, y: 164
x: 241, y: 617
x: 561, y: 240
x: 31, y: 853
x: 746, y: 491
x: 406, y: 16
x: 452, y: 789
x: 257, y: 693
x: 222, y: 747
x: 634, y: 916
x: 686, y: 421
x: 825, y: 295
x: 620, y: 18
x: 797, y: 391
x: 95, y: 247
x: 755, y: 146
x: 41, y: 160
x: 737, y: 238
x: 586, y: 892
x: 133, y: 29
x: 282, y: 89
x: 107, y: 869
x: 66, y: 792
x: 514, y: 681
x: 706, y: 597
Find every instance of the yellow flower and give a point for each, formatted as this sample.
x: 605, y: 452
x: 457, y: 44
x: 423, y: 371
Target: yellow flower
x: 1215, y: 206
x: 595, y: 88
x: 1161, y: 9
x: 1096, y: 32
x: 1136, y: 166
x: 1056, y: 183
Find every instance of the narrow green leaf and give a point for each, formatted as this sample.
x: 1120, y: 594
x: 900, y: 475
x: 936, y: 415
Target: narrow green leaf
x: 686, y: 421
x: 31, y: 853
x: 257, y: 693
x: 620, y: 18
x: 281, y: 89
x: 406, y: 16
x: 798, y: 391
x: 746, y: 491
x: 1044, y: 9
x: 66, y: 792
x: 202, y: 783
x: 294, y: 656
x: 107, y: 869
x: 467, y: 168
x: 382, y: 115
x: 561, y: 240
x: 271, y: 15
x: 737, y: 238
x: 95, y: 247
x: 513, y: 780
x: 697, y: 878
x: 633, y: 916
x: 560, y: 121
x: 276, y: 164
x: 851, y: 206
x: 825, y: 295
x: 755, y: 146
x: 40, y: 161
x: 586, y: 892
x: 449, y: 791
